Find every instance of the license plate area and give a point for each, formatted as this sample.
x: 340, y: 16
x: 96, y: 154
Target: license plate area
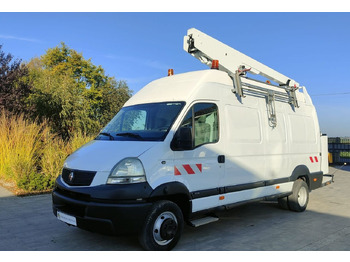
x: 71, y: 220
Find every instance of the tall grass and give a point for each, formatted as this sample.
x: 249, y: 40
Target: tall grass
x: 30, y: 155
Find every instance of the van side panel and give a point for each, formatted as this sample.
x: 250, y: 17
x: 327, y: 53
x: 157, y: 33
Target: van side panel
x: 304, y: 138
x: 245, y: 158
x: 259, y: 154
x: 276, y: 145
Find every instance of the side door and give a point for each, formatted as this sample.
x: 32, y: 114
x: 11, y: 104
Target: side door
x: 201, y: 165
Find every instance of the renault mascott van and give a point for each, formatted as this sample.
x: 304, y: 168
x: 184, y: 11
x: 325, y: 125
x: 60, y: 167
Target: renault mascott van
x: 185, y: 146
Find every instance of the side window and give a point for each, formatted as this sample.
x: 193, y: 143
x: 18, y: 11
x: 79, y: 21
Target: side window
x: 202, y: 118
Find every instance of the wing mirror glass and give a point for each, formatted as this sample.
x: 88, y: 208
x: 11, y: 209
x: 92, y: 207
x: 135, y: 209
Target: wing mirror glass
x: 182, y: 139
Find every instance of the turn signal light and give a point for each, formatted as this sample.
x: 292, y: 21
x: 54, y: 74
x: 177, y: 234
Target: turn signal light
x: 170, y: 72
x: 221, y: 197
x: 215, y: 64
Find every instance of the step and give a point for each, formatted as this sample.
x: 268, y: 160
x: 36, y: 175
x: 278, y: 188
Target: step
x: 203, y: 221
x: 327, y: 180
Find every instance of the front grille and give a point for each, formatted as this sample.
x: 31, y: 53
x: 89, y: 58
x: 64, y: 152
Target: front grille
x: 77, y: 177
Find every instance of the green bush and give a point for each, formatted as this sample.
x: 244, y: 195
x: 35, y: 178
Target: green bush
x: 35, y: 182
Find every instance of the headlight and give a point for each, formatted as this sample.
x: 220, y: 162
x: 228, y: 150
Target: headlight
x: 129, y: 170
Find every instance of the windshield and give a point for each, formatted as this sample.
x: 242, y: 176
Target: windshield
x: 146, y: 122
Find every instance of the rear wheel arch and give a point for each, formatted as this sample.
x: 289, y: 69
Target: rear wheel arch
x: 301, y: 172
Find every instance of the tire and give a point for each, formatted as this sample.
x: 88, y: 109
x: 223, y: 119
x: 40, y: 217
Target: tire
x: 299, y: 199
x: 283, y: 203
x: 163, y: 227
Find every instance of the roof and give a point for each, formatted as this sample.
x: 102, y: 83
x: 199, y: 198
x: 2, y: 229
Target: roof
x: 181, y: 87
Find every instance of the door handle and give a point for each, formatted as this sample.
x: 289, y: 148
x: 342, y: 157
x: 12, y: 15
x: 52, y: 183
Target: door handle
x: 221, y: 159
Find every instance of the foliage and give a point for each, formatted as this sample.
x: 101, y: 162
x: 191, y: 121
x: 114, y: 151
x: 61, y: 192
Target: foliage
x: 30, y: 154
x: 49, y: 108
x: 72, y: 93
x: 13, y: 87
x: 20, y: 148
x: 60, y: 101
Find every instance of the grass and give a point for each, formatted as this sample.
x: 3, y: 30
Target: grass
x: 31, y: 157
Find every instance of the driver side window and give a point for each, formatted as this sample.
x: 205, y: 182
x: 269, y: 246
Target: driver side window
x: 202, y: 118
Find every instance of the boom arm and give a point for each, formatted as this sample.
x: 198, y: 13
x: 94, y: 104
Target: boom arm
x: 206, y: 49
x: 237, y: 64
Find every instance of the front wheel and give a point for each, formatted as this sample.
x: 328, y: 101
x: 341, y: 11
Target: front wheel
x: 163, y: 227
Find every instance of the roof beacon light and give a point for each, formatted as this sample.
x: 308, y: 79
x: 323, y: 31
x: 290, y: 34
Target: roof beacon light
x: 170, y: 72
x: 215, y: 64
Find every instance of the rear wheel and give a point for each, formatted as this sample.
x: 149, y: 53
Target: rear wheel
x: 163, y: 227
x: 299, y: 199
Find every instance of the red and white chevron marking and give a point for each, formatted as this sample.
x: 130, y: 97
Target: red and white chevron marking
x: 187, y: 169
x: 313, y: 159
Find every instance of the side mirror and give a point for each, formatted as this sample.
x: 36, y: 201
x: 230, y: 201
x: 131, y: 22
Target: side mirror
x: 182, y: 139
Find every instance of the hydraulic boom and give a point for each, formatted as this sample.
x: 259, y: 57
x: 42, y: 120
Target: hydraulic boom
x: 206, y: 49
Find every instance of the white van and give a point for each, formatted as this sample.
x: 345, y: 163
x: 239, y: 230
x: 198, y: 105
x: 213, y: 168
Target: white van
x: 185, y: 146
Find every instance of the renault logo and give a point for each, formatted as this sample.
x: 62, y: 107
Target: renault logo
x: 71, y: 176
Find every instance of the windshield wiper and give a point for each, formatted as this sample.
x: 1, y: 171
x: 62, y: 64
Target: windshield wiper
x: 130, y: 135
x: 107, y: 134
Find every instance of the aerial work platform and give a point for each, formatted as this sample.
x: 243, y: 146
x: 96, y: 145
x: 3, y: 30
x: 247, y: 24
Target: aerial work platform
x: 218, y: 55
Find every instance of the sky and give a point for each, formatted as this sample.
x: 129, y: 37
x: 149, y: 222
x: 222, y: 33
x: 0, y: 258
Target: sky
x: 139, y: 47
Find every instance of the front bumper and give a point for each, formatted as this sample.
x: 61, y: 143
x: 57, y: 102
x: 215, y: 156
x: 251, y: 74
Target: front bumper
x: 107, y: 209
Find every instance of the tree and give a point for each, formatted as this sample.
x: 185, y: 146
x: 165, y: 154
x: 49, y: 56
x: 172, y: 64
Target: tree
x: 59, y: 100
x: 14, y: 88
x: 73, y: 93
x: 113, y: 99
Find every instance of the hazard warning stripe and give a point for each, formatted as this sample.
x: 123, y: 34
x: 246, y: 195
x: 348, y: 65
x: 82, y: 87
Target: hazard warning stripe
x: 187, y: 169
x: 199, y: 167
x: 313, y: 159
x: 176, y: 171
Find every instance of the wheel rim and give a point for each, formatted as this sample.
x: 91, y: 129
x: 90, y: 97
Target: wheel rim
x: 302, y: 196
x: 165, y: 228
